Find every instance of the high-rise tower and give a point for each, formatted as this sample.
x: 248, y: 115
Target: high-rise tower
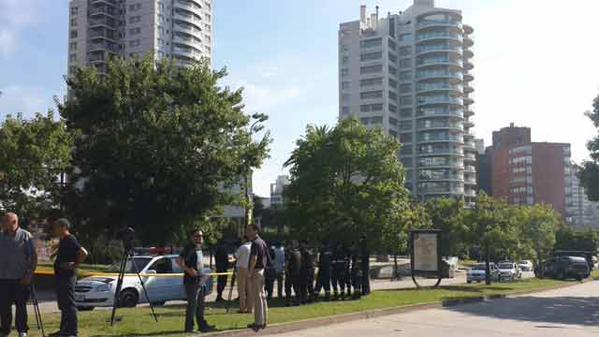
x: 179, y: 30
x: 409, y: 74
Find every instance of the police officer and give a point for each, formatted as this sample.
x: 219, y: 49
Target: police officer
x: 338, y: 278
x: 307, y: 274
x: 221, y: 259
x: 293, y: 266
x: 355, y: 274
x: 325, y: 267
x: 365, y: 260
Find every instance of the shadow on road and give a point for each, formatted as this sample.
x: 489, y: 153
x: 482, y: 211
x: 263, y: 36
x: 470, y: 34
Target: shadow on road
x: 557, y: 310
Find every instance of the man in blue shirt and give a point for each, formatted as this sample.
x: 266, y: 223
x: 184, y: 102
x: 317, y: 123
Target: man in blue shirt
x: 194, y: 279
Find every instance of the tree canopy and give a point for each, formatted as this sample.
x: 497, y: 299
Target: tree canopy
x: 589, y: 172
x: 346, y: 182
x: 156, y: 146
x: 33, y: 154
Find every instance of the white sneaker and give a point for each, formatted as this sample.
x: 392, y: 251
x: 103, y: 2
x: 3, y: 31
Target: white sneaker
x: 22, y: 334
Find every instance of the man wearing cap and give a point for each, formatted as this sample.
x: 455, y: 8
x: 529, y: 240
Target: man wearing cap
x: 69, y: 256
x: 17, y: 266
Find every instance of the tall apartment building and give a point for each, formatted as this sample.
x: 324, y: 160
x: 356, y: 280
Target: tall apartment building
x: 409, y: 75
x: 277, y: 189
x: 179, y: 30
x: 583, y: 213
x: 528, y: 173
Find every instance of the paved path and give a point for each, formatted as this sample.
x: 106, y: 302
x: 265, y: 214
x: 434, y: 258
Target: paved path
x: 571, y: 312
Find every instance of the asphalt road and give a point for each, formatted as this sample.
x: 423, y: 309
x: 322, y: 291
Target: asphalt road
x: 571, y: 312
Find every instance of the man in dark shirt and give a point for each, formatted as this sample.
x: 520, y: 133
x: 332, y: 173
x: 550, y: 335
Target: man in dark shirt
x: 307, y: 274
x: 194, y: 280
x: 69, y: 256
x: 293, y: 265
x: 259, y: 260
x: 221, y: 259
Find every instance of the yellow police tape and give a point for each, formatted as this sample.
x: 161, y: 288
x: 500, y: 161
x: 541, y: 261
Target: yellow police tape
x: 99, y: 274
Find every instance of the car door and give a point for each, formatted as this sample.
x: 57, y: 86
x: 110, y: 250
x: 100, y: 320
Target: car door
x: 158, y: 287
x: 177, y: 289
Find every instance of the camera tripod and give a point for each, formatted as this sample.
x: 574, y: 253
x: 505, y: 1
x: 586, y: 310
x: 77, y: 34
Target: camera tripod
x: 128, y: 255
x: 36, y: 309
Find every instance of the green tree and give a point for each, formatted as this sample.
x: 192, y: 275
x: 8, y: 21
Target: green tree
x: 346, y: 182
x: 33, y: 155
x: 447, y: 215
x: 156, y: 145
x: 539, y: 225
x: 491, y: 225
x: 589, y: 172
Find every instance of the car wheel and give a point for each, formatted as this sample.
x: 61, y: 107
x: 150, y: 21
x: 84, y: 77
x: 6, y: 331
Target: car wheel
x: 85, y: 308
x: 469, y: 281
x: 128, y: 298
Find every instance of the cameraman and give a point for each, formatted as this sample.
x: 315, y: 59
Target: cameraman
x: 16, y: 273
x: 191, y: 260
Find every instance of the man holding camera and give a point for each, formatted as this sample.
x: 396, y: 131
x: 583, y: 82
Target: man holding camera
x: 191, y: 260
x: 17, y: 266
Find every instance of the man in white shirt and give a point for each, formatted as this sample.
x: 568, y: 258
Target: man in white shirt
x: 243, y: 257
x: 279, y: 265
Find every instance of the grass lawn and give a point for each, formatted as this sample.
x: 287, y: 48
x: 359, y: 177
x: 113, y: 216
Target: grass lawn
x: 139, y: 322
x: 595, y: 274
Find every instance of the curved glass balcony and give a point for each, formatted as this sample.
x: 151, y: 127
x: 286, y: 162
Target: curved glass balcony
x: 429, y: 74
x: 439, y: 112
x: 438, y: 99
x: 439, y: 36
x: 439, y: 47
x: 439, y: 125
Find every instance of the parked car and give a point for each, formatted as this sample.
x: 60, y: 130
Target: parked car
x: 478, y: 271
x: 526, y: 265
x: 564, y: 267
x: 98, y: 291
x: 509, y: 271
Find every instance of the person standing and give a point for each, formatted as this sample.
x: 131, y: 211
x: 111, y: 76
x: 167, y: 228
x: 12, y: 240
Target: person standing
x: 307, y: 274
x: 279, y: 265
x: 69, y: 256
x: 17, y: 266
x: 270, y: 275
x: 292, y: 273
x: 191, y: 260
x: 243, y: 260
x: 221, y: 259
x: 324, y: 272
x: 339, y: 271
x: 259, y: 260
x: 365, y: 266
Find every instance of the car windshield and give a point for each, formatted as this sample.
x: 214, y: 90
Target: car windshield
x: 132, y: 265
x: 506, y: 266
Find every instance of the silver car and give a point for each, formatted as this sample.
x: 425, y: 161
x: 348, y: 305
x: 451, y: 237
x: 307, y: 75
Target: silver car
x: 509, y: 271
x: 478, y: 271
x: 167, y: 285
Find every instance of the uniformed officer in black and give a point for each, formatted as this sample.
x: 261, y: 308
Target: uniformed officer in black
x: 355, y: 274
x: 307, y: 274
x: 293, y: 266
x: 365, y: 261
x: 221, y: 259
x: 339, y: 275
x: 325, y: 267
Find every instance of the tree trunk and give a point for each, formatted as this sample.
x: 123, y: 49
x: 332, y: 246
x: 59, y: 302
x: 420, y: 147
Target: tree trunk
x: 540, y: 265
x: 487, y: 265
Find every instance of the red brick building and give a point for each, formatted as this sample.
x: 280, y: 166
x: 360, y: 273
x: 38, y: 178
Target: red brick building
x: 527, y: 173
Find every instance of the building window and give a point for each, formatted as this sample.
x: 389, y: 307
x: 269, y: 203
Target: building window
x: 392, y: 95
x: 406, y: 100
x: 345, y: 85
x: 73, y: 46
x: 73, y: 34
x: 74, y: 10
x: 373, y: 43
x: 136, y: 19
x: 371, y: 56
x: 345, y: 59
x: 345, y: 110
x: 405, y: 63
x: 134, y: 43
x: 392, y: 58
x: 371, y: 94
x: 392, y: 70
x: 72, y: 57
x: 344, y: 72
x: 371, y: 81
x: 405, y: 125
x: 392, y: 44
x: 392, y: 83
x: 371, y: 69
x: 405, y: 138
x: 405, y: 88
x: 405, y: 75
x: 134, y: 31
x: 405, y: 51
x: 406, y: 37
x: 405, y: 113
x: 73, y: 22
x: 392, y: 108
x: 135, y: 7
x: 393, y: 121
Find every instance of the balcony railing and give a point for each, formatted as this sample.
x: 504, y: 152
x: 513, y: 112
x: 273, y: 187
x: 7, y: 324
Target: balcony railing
x: 439, y: 35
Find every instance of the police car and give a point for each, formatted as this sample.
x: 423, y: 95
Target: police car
x: 161, y: 275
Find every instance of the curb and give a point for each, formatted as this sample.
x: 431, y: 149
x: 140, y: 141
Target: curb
x: 319, y: 322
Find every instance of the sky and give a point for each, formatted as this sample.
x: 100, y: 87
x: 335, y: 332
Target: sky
x: 536, y: 63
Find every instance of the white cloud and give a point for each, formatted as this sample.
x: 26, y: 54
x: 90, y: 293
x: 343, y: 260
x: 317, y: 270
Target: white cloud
x: 24, y: 100
x: 15, y: 16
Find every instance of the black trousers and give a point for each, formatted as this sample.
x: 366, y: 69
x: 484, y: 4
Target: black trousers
x: 196, y: 296
x: 221, y: 282
x: 307, y: 285
x: 292, y: 282
x: 12, y: 292
x: 65, y: 296
x: 338, y: 279
x: 323, y: 280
